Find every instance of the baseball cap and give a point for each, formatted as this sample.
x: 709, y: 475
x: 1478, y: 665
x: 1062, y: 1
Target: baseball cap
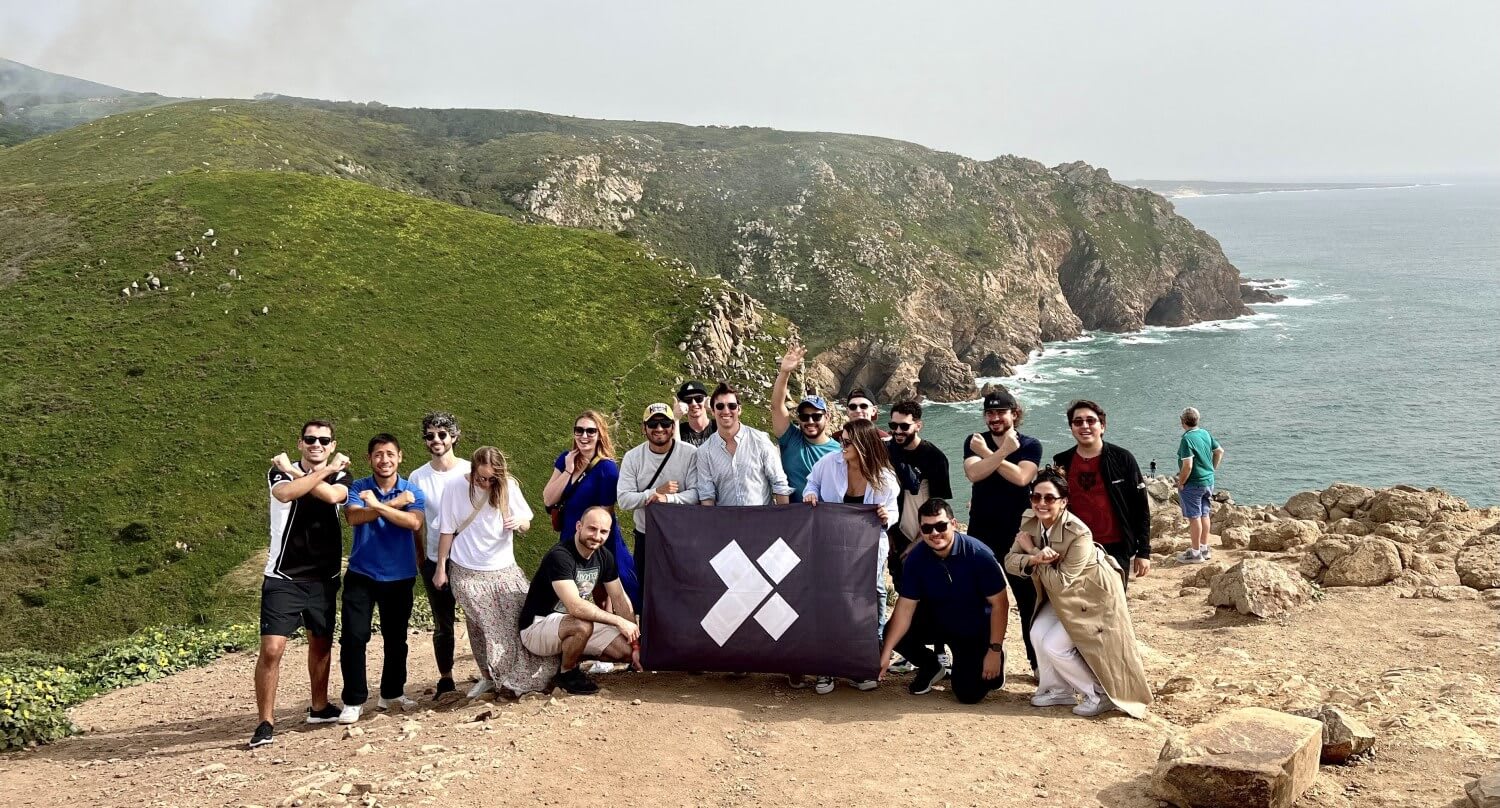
x: 816, y: 402
x: 691, y: 388
x: 653, y: 410
x: 1000, y: 400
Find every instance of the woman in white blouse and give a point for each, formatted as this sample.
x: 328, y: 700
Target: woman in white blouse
x: 859, y: 474
x: 482, y: 512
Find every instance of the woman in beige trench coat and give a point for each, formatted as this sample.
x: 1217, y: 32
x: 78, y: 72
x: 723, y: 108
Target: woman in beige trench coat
x: 1081, y: 626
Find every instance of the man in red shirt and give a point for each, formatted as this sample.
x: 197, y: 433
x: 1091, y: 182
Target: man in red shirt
x: 1106, y: 491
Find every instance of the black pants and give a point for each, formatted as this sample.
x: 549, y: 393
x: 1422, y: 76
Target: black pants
x: 1023, y: 593
x: 895, y: 562
x: 1120, y: 551
x: 362, y: 596
x: 640, y: 568
x: 443, y: 617
x: 969, y: 684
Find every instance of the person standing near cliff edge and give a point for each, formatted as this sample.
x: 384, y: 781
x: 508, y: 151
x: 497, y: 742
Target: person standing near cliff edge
x: 1198, y: 456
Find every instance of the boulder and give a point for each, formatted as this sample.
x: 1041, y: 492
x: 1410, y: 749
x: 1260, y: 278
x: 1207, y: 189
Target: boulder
x: 1344, y: 737
x: 1348, y: 527
x: 1160, y: 489
x: 1403, y: 532
x: 1259, y: 588
x: 1286, y: 534
x: 1403, y: 503
x: 1247, y: 758
x: 1448, y: 503
x: 1166, y: 521
x: 1307, y: 505
x: 1205, y: 574
x: 1444, y: 537
x: 1478, y: 562
x: 1235, y: 538
x: 1345, y: 497
x: 1224, y: 518
x: 1484, y: 792
x: 1371, y: 562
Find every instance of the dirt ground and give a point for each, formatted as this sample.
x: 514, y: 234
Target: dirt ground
x: 1424, y: 674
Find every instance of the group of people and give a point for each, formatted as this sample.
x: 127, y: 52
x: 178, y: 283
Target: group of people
x: 1062, y: 541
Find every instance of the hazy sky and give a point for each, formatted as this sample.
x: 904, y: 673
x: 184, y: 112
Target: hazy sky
x: 1166, y: 90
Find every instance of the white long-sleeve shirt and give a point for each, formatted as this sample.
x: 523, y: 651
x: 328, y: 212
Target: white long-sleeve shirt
x: 829, y: 481
x: 639, y: 466
x: 748, y: 477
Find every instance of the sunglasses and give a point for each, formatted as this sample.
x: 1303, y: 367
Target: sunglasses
x: 658, y: 423
x: 1090, y: 421
x: 812, y: 417
x: 864, y: 406
x: 311, y: 439
x: 494, y: 478
x: 934, y: 527
x: 895, y: 427
x: 585, y: 430
x: 693, y: 400
x: 1047, y: 498
x: 731, y: 406
x: 432, y: 436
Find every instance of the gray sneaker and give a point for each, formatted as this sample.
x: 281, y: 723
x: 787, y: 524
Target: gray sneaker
x: 1190, y: 556
x: 1089, y: 708
x: 1207, y: 552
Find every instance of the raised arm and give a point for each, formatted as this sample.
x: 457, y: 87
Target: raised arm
x: 781, y: 417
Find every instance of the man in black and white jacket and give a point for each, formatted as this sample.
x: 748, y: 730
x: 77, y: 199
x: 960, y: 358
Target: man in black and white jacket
x: 1107, y: 491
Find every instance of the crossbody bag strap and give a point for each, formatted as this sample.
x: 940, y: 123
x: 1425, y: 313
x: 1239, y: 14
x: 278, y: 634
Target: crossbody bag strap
x: 661, y: 466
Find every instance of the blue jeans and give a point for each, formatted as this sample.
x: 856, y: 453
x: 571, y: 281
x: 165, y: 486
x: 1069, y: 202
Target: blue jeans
x: 1196, y: 500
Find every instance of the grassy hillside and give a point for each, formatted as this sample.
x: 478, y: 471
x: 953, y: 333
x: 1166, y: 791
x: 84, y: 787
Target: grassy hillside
x: 137, y: 431
x: 34, y: 102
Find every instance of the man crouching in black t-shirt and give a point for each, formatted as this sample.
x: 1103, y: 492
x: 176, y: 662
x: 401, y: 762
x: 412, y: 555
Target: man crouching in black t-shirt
x: 302, y: 571
x: 560, y: 617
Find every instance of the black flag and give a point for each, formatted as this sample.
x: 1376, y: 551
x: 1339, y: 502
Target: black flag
x: 768, y: 589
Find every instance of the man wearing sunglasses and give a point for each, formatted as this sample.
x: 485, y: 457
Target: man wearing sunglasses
x: 1106, y: 491
x: 697, y: 426
x: 738, y: 465
x: 440, y: 433
x: 804, y: 442
x: 659, y: 470
x: 301, y: 581
x: 922, y: 469
x: 858, y: 404
x: 952, y: 593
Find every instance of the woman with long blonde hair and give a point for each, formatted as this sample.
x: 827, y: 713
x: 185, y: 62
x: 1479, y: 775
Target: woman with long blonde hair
x: 586, y: 476
x: 482, y: 512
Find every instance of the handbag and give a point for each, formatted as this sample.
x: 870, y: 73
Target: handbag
x: 555, y: 510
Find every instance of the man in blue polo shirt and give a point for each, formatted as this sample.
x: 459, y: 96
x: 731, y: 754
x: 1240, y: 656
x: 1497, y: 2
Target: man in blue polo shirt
x: 952, y: 593
x: 386, y: 512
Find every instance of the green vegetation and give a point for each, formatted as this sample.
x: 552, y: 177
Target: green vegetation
x: 34, y: 102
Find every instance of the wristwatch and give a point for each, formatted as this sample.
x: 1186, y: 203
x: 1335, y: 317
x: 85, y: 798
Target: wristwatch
x: 997, y: 647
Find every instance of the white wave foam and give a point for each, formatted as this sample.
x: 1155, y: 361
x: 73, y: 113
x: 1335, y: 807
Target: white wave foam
x: 1133, y: 340
x: 1076, y: 371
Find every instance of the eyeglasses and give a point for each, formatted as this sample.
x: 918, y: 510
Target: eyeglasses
x: 812, y: 417
x: 731, y: 406
x: 658, y: 423
x: 692, y: 400
x: 899, y: 427
x: 585, y: 430
x: 311, y: 439
x: 1089, y: 421
x: 493, y: 478
x: 934, y: 527
x: 865, y: 405
x: 1047, y: 498
x: 432, y: 436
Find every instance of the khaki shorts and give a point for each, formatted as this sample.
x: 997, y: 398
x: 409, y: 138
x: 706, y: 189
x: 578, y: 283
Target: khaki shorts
x: 542, y: 636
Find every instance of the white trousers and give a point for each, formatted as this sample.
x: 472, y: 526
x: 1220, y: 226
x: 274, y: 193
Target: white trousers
x: 1060, y: 668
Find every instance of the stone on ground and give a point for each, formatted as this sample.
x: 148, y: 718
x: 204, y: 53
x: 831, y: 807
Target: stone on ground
x: 1259, y: 588
x: 1344, y: 737
x: 1484, y: 792
x: 1371, y: 562
x: 1247, y: 758
x: 1307, y: 505
x: 1478, y: 562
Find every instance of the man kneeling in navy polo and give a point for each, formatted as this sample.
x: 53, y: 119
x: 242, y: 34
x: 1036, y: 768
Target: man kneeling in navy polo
x: 952, y: 593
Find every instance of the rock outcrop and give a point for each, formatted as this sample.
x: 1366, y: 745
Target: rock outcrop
x: 1259, y: 589
x: 1478, y: 562
x: 1248, y: 758
x: 1344, y: 737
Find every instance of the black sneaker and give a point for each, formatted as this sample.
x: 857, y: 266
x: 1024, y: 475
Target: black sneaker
x: 924, y: 680
x: 445, y: 685
x: 327, y: 715
x: 264, y: 734
x: 577, y: 682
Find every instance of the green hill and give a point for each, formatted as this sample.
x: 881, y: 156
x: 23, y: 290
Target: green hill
x: 35, y: 102
x: 138, y: 429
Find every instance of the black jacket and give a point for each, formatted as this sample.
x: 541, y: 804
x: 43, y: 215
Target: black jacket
x: 1127, y: 493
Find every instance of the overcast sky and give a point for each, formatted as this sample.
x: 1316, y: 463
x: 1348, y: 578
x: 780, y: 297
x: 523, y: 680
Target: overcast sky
x: 1162, y: 90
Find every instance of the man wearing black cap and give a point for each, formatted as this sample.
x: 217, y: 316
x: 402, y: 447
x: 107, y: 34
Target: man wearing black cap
x: 696, y: 427
x: 1001, y: 463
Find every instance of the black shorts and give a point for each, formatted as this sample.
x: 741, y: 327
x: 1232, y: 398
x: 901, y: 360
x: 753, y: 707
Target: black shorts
x: 285, y: 605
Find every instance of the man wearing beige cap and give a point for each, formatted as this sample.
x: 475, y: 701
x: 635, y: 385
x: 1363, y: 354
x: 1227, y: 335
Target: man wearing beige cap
x: 659, y: 470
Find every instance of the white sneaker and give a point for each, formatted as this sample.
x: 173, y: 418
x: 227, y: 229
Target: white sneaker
x: 1053, y: 698
x: 945, y: 660
x: 1207, y: 552
x: 351, y: 713
x: 1189, y: 556
x: 865, y: 685
x: 1088, y: 708
x: 824, y: 685
x: 401, y: 703
x: 481, y: 687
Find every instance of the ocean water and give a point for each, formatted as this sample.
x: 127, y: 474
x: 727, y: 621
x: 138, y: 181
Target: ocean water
x: 1382, y: 366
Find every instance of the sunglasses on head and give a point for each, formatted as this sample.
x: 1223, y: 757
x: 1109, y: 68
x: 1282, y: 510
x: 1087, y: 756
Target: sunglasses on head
x: 691, y: 400
x: 585, y: 430
x: 898, y: 427
x: 432, y: 436
x: 812, y: 417
x: 658, y: 423
x: 934, y: 527
x: 311, y: 439
x: 1089, y: 421
x: 730, y: 406
x: 1047, y: 498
